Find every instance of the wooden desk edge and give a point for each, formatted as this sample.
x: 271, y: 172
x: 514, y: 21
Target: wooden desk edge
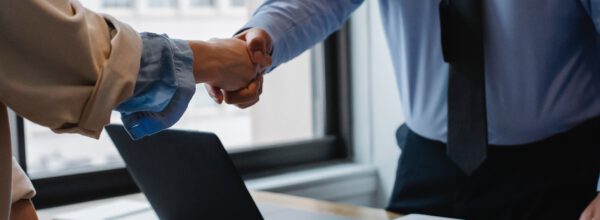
x: 314, y: 205
x: 296, y: 202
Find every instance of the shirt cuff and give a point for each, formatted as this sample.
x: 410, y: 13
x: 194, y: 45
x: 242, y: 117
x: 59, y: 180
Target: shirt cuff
x: 21, y: 185
x: 165, y: 86
x: 156, y: 82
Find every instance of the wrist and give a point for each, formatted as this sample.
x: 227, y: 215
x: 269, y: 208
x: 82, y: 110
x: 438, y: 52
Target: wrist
x: 205, y: 70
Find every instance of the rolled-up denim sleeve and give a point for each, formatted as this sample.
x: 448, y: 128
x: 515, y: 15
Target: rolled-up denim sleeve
x: 164, y: 87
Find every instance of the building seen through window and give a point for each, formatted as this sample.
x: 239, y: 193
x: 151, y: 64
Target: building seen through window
x: 117, y: 3
x: 205, y: 3
x: 237, y: 3
x: 162, y: 3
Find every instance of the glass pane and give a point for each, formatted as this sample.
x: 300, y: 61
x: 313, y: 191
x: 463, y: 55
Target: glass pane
x: 286, y: 111
x: 162, y: 3
x: 117, y: 3
x: 50, y: 154
x: 238, y: 3
x: 203, y: 3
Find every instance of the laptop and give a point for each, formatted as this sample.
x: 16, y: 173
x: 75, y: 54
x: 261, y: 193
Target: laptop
x: 185, y: 175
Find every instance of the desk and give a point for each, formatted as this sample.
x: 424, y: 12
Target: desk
x: 305, y: 204
x: 313, y: 205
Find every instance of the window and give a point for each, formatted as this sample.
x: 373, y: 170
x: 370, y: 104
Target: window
x: 162, y: 3
x: 302, y: 113
x: 238, y: 3
x: 117, y: 3
x: 203, y: 3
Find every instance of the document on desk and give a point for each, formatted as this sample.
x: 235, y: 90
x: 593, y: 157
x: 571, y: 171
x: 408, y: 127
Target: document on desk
x: 117, y: 210
x: 279, y: 212
x: 422, y: 217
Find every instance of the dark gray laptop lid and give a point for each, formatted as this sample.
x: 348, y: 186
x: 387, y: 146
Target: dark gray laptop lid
x: 185, y: 175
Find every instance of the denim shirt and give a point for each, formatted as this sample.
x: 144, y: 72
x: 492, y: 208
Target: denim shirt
x: 164, y: 87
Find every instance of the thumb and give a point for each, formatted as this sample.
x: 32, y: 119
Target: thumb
x: 261, y: 59
x: 258, y: 40
x: 260, y: 46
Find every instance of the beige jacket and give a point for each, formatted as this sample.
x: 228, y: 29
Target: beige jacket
x: 61, y: 66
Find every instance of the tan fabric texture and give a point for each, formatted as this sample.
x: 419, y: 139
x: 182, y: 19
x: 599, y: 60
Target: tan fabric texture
x: 61, y: 66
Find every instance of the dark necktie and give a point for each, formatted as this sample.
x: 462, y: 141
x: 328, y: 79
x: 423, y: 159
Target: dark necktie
x: 462, y: 44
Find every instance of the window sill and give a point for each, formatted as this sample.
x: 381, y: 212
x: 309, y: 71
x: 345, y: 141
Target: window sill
x: 344, y: 183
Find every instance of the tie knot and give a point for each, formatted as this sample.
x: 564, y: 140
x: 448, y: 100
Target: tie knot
x: 461, y: 23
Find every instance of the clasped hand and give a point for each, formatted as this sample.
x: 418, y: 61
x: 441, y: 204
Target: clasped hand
x: 232, y: 69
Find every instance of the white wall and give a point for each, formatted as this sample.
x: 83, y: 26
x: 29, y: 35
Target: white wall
x: 377, y: 112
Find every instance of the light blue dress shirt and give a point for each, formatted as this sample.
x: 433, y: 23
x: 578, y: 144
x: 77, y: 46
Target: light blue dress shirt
x: 164, y: 87
x: 542, y: 59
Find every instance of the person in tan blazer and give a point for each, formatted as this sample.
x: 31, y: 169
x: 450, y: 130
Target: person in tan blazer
x: 66, y: 67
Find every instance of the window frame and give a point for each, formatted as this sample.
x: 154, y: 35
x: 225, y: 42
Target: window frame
x: 333, y: 147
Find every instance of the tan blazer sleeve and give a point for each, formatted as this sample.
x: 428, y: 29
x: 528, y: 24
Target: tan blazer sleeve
x: 64, y: 66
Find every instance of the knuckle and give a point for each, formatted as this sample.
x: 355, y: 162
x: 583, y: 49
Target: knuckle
x: 229, y: 101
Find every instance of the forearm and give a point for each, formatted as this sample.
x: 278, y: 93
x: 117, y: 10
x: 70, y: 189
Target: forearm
x: 164, y: 86
x: 296, y: 26
x: 169, y: 70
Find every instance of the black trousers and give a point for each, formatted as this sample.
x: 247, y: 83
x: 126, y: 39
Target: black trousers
x: 555, y: 178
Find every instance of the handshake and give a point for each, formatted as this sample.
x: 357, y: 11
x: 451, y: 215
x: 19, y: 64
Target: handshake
x: 232, y: 69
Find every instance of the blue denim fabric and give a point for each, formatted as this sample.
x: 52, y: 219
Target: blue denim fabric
x: 165, y: 86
